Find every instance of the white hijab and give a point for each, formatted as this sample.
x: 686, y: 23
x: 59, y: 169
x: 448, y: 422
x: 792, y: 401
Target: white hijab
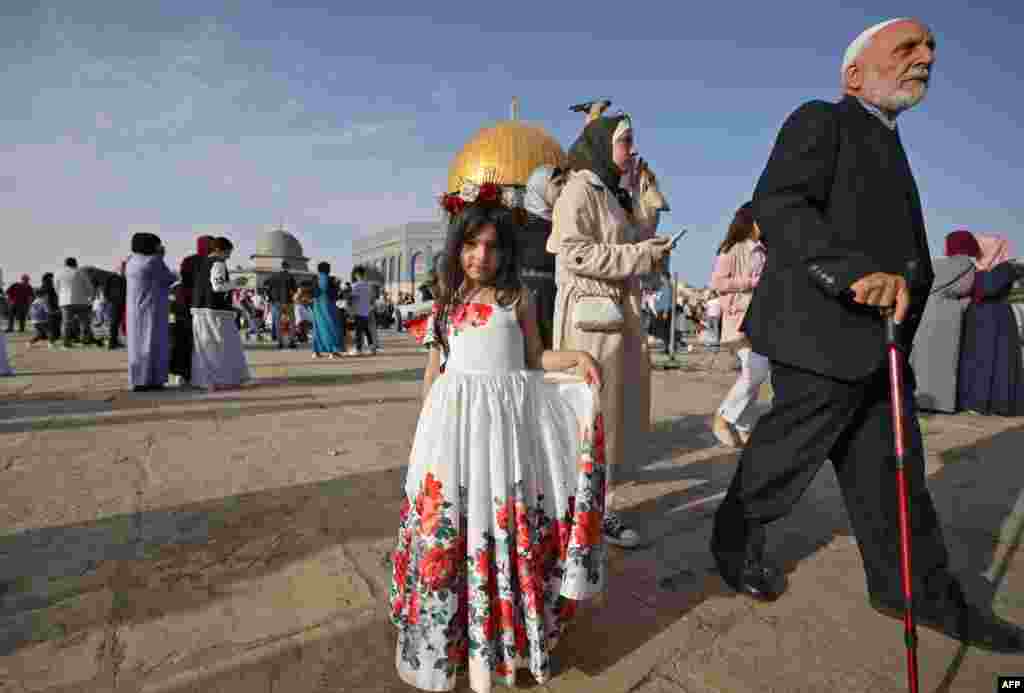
x: 536, y: 187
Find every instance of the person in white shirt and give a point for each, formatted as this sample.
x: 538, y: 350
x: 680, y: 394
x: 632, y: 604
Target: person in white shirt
x: 74, y: 294
x: 218, y: 361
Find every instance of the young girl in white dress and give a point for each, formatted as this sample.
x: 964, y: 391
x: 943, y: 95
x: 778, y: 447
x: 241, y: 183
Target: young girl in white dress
x: 500, y: 532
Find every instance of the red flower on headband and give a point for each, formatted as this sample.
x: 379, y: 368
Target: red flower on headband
x: 453, y: 204
x: 488, y: 192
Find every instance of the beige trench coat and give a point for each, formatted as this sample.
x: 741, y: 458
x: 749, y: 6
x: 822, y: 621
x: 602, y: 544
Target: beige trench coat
x: 598, y: 254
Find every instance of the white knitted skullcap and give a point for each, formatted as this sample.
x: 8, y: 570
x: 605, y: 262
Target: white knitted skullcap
x: 861, y: 41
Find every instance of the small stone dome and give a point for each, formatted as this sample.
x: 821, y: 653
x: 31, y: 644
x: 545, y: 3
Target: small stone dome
x: 279, y: 246
x: 279, y: 243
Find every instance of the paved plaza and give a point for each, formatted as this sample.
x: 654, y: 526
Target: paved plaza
x: 191, y: 542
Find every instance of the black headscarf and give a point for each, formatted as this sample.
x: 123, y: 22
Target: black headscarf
x: 145, y: 243
x: 592, y: 151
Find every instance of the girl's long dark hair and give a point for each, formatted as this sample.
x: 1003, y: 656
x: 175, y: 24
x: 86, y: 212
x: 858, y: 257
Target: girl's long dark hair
x: 449, y: 275
x: 741, y: 228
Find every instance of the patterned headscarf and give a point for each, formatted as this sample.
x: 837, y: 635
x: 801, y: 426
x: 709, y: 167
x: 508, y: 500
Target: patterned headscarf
x: 994, y: 250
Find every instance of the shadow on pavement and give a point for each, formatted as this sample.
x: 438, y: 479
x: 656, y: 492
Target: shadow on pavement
x: 97, y: 402
x: 187, y: 555
x: 69, y: 422
x: 99, y: 371
x: 980, y: 495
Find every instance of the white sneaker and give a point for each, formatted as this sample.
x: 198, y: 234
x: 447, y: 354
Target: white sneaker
x: 353, y: 352
x: 618, y: 534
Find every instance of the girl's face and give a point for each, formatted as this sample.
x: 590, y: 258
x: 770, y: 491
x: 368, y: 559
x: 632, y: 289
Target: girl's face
x: 480, y: 255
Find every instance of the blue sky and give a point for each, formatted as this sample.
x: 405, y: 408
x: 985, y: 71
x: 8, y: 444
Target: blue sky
x: 191, y: 117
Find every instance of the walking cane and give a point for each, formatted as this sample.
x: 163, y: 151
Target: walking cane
x: 899, y: 431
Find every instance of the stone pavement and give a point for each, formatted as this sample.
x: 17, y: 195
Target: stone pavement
x: 187, y: 542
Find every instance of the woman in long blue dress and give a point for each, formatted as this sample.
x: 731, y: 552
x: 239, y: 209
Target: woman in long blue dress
x: 326, y: 331
x: 148, y: 329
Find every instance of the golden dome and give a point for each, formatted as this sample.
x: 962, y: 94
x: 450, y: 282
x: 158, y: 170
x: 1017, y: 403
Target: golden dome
x: 506, y: 154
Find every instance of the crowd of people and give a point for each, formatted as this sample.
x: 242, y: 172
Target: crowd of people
x: 162, y: 315
x: 66, y: 306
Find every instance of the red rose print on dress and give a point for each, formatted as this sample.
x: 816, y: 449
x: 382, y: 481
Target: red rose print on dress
x: 437, y: 571
x: 588, y: 528
x: 503, y: 513
x: 470, y: 315
x: 429, y: 505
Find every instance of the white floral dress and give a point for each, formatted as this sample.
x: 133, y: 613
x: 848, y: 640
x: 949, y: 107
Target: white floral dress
x: 500, y: 532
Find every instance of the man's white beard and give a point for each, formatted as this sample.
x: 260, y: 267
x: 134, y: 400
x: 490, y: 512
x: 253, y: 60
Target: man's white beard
x: 893, y: 99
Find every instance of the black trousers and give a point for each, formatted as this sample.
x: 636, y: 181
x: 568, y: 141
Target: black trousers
x: 115, y: 323
x: 55, y: 322
x: 363, y: 329
x: 19, y: 314
x: 181, y: 343
x: 815, y: 418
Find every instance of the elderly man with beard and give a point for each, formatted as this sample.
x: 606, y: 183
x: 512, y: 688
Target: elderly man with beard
x: 838, y: 205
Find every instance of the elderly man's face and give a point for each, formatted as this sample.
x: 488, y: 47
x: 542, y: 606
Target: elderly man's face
x: 894, y: 69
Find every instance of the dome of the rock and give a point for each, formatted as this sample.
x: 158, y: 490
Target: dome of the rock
x: 505, y: 153
x: 279, y: 243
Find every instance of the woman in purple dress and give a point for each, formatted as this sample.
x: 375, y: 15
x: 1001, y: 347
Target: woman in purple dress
x: 149, y: 307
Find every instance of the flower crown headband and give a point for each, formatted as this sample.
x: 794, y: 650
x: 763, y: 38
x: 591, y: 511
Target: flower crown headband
x: 487, y: 193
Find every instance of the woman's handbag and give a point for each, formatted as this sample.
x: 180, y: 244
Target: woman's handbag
x: 597, y: 314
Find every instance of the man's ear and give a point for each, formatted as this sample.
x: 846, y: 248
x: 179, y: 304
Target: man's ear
x: 854, y: 77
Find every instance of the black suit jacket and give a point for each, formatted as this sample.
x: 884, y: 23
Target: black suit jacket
x: 836, y: 201
x: 281, y: 287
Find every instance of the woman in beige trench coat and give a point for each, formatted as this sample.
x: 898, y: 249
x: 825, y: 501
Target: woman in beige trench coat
x: 600, y: 253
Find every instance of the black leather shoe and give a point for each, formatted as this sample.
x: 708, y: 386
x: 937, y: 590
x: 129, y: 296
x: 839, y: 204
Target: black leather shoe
x: 964, y: 622
x: 758, y: 579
